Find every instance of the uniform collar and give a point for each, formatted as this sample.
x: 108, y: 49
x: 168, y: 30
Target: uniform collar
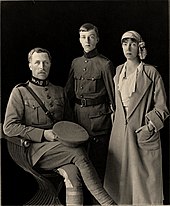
x: 91, y: 54
x: 39, y: 82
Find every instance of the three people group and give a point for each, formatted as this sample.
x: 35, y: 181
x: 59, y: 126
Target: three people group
x: 123, y: 154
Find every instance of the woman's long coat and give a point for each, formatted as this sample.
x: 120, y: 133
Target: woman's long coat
x: 134, y: 165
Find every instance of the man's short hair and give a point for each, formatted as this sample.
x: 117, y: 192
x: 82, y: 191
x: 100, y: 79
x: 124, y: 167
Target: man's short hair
x: 88, y: 27
x: 38, y: 50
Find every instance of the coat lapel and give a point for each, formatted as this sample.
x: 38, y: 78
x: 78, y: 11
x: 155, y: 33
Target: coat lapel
x: 143, y: 82
x: 119, y: 101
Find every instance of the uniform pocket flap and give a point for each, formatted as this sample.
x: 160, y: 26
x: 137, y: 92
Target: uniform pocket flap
x: 94, y: 77
x: 77, y: 77
x: 31, y: 103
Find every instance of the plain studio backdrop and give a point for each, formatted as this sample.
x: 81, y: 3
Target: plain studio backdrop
x: 54, y: 25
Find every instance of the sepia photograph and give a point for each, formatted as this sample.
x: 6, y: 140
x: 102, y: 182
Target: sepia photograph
x: 85, y: 102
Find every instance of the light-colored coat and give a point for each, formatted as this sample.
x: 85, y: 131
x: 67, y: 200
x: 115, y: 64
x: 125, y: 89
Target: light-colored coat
x: 134, y: 165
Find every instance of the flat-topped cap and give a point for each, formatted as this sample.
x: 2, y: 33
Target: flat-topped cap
x: 70, y: 133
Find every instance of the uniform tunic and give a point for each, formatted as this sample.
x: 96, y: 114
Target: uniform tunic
x: 25, y: 117
x: 134, y: 165
x: 91, y: 77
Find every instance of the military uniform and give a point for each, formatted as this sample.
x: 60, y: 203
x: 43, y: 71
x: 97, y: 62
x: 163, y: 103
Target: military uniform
x: 91, y: 84
x: 25, y: 117
x: 23, y: 109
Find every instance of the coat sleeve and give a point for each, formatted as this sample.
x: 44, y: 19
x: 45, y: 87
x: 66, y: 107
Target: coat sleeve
x: 69, y: 87
x: 68, y: 111
x: 14, y: 119
x: 160, y: 111
x: 108, y: 75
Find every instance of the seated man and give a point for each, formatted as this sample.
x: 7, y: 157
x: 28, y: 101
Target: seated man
x: 25, y: 117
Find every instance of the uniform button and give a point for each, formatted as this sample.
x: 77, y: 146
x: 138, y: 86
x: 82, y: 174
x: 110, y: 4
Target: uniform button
x: 46, y: 89
x: 81, y: 87
x: 82, y: 78
x: 81, y: 96
x: 51, y: 105
x: 48, y: 97
x: 84, y: 69
x: 92, y: 78
x: 95, y: 139
x: 86, y: 61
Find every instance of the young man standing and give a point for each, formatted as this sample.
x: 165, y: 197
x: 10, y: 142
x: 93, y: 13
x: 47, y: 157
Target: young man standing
x: 90, y: 89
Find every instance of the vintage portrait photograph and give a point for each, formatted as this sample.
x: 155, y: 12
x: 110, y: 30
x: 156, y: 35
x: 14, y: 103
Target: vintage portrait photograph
x: 85, y: 110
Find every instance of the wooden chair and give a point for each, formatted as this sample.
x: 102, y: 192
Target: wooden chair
x: 48, y: 192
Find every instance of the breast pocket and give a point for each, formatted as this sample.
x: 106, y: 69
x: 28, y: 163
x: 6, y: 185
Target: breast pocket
x: 93, y: 83
x: 34, y: 113
x: 77, y: 80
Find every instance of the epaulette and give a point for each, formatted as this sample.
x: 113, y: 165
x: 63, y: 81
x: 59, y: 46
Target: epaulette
x: 22, y: 84
x: 104, y: 57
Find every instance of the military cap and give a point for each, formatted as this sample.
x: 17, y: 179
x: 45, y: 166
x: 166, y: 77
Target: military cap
x: 70, y: 133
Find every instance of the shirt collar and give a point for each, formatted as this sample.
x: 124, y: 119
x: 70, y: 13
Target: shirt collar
x: 139, y: 67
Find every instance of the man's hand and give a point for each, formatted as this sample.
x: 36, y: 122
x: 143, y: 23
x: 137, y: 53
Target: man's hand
x: 49, y: 135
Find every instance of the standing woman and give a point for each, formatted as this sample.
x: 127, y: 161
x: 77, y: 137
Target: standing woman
x: 134, y: 166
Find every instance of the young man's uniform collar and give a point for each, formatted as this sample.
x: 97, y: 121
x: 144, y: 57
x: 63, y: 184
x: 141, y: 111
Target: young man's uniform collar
x: 91, y: 54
